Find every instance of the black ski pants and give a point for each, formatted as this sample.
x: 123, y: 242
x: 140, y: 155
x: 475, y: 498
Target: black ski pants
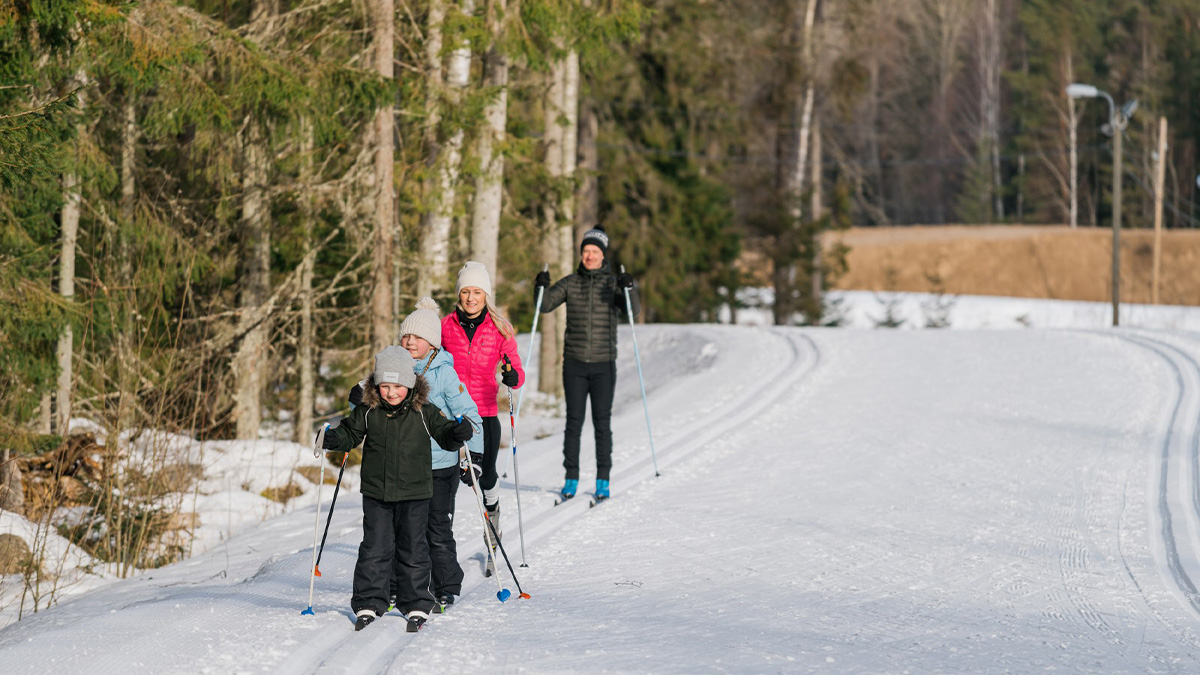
x: 599, y: 381
x: 447, y: 574
x: 491, y: 452
x: 394, y: 538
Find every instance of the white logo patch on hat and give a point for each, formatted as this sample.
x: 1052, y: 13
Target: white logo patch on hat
x: 391, y: 376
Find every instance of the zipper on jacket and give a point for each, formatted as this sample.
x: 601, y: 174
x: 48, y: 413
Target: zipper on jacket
x: 591, y: 308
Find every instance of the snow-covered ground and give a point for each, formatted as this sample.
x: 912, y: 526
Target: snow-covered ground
x: 830, y: 500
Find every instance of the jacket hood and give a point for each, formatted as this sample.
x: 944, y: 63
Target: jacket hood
x: 417, y: 396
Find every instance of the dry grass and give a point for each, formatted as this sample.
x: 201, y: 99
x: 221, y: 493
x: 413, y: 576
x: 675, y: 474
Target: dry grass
x: 1032, y: 262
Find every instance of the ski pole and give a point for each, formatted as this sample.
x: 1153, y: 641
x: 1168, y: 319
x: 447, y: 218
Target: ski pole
x: 502, y: 593
x: 641, y: 380
x: 317, y: 565
x: 537, y: 312
x: 316, y: 516
x: 516, y: 474
x: 520, y: 593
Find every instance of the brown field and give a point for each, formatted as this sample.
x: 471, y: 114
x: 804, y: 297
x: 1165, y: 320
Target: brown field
x: 1022, y: 261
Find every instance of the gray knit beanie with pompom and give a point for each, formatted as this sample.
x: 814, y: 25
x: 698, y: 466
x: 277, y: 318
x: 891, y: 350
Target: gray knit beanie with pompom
x: 424, y: 322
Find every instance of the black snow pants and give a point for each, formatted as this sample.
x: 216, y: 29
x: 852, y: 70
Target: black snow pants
x: 447, y: 574
x: 599, y: 381
x: 394, y: 538
x: 491, y: 452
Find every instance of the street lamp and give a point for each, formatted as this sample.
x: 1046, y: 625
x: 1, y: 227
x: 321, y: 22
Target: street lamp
x: 1117, y: 120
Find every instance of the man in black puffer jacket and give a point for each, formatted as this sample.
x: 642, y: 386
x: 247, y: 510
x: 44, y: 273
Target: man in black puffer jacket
x: 595, y: 307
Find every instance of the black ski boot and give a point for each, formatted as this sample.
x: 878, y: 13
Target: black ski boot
x: 416, y: 620
x: 365, y: 616
x: 444, y: 600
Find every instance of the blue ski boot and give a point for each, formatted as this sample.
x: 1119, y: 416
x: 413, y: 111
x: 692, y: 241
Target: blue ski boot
x: 569, y: 489
x: 601, y: 490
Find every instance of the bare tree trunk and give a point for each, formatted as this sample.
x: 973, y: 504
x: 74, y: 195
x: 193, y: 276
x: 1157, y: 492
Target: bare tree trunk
x: 587, y: 214
x: 817, y: 278
x: 66, y: 288
x: 250, y: 361
x: 65, y: 351
x: 382, y: 310
x: 569, y: 105
x: 795, y: 154
x: 250, y: 364
x: 128, y: 158
x: 305, y: 402
x: 1072, y: 145
x: 489, y: 185
x: 435, y: 239
x: 989, y: 101
x: 126, y: 356
x: 556, y: 216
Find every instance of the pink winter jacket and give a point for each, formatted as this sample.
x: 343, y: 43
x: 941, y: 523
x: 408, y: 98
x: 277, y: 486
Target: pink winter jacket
x: 477, y: 361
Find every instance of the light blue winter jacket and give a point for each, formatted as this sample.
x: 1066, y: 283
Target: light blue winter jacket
x: 447, y: 392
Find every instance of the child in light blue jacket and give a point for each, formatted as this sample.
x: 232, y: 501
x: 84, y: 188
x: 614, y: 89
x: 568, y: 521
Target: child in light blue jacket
x: 421, y: 335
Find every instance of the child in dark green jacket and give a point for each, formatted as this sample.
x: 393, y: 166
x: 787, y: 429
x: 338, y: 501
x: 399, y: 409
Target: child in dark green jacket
x: 397, y: 482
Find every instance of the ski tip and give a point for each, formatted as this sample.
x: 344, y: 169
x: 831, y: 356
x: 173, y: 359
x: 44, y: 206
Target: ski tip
x: 523, y: 596
x: 308, y: 612
x: 503, y: 594
x: 316, y: 571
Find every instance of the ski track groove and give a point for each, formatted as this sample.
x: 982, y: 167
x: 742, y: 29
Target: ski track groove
x: 1180, y: 424
x: 383, y: 649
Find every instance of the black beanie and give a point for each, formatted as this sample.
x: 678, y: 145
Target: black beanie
x: 596, y: 237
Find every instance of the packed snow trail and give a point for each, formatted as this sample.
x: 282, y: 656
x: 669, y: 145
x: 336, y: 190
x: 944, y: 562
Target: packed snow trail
x: 830, y: 501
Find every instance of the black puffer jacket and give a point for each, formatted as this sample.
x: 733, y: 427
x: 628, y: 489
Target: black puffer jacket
x: 595, y: 307
x: 395, y: 464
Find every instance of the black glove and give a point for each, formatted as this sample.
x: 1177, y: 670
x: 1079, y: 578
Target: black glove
x: 476, y: 463
x: 625, y: 280
x: 330, y: 441
x: 462, y: 431
x: 542, y: 279
x: 508, y: 375
x: 355, y: 397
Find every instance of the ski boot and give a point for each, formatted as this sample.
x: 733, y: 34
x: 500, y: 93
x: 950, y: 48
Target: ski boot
x: 364, y: 617
x: 416, y: 619
x: 569, y: 488
x: 601, y: 490
x: 444, y: 600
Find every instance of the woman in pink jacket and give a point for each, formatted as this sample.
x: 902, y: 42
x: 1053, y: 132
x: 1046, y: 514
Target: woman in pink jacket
x: 479, y: 337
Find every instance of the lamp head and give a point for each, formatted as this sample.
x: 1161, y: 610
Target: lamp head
x: 1082, y: 91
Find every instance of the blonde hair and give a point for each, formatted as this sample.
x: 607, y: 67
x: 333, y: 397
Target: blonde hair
x: 503, y: 324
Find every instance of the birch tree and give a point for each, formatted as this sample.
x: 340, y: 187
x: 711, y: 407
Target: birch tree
x: 435, y: 236
x: 72, y: 196
x: 489, y: 184
x: 560, y: 117
x: 383, y: 17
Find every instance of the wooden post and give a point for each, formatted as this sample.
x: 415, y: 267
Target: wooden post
x: 1159, y: 170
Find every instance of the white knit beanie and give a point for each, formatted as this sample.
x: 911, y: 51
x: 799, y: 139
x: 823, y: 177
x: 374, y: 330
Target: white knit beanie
x: 474, y: 274
x: 394, y: 365
x: 424, y: 322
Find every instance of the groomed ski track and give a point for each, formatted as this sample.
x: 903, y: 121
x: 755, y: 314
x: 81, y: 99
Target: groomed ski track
x: 632, y: 466
x: 830, y: 501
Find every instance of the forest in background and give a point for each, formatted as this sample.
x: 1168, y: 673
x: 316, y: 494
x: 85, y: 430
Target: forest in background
x: 212, y: 214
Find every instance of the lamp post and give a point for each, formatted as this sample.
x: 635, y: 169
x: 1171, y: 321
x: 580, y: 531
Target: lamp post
x: 1117, y: 120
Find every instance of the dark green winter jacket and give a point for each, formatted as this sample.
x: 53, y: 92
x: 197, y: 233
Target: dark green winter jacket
x: 395, y: 464
x: 595, y: 307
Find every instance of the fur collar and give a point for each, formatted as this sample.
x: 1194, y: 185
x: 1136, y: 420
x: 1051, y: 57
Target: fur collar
x: 417, y: 396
